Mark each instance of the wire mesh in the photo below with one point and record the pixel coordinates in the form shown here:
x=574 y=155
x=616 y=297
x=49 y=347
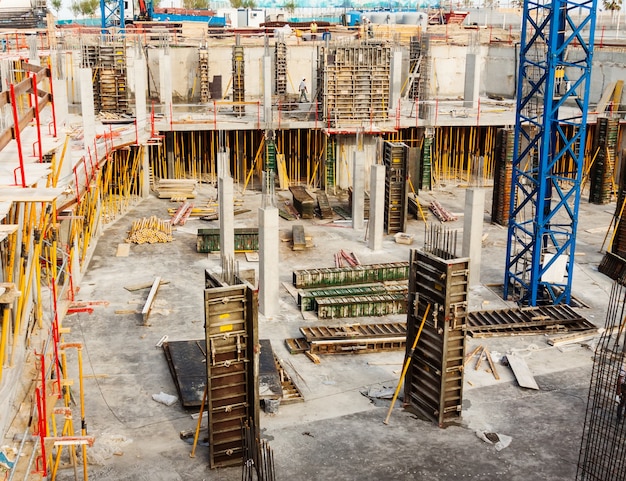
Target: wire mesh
x=603 y=447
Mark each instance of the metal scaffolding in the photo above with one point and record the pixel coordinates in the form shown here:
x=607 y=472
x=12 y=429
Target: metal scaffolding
x=548 y=157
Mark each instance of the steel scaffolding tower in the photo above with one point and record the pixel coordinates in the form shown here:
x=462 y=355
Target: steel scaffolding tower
x=553 y=91
x=112 y=14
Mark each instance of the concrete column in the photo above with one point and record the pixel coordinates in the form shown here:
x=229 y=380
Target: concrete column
x=472 y=80
x=396 y=78
x=145 y=172
x=33 y=55
x=268 y=261
x=169 y=151
x=227 y=217
x=377 y=207
x=473 y=231
x=87 y=108
x=358 y=191
x=141 y=112
x=61 y=109
x=165 y=77
x=223 y=164
x=267 y=91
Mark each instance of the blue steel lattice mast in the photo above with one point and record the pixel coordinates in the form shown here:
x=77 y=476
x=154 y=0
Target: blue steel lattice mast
x=552 y=98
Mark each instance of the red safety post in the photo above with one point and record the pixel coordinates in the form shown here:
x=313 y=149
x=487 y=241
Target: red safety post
x=33 y=80
x=16 y=132
x=41 y=466
x=478 y=114
x=56 y=337
x=398 y=116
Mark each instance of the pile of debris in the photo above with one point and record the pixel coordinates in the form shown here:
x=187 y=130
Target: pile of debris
x=150 y=230
x=440 y=212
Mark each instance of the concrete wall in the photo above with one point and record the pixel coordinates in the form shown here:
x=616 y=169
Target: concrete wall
x=498 y=69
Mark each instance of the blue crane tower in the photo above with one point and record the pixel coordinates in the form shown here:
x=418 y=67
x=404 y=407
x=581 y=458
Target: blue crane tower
x=552 y=98
x=118 y=13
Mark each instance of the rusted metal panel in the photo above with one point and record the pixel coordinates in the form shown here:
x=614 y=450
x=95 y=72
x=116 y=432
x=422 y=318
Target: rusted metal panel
x=362 y=274
x=434 y=381
x=232 y=369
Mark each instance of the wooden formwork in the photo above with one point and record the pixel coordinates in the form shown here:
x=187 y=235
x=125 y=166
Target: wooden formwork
x=232 y=369
x=433 y=386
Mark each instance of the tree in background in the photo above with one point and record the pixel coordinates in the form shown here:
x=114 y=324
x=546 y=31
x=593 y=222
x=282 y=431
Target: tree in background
x=75 y=8
x=196 y=4
x=89 y=7
x=56 y=6
x=243 y=3
x=612 y=6
x=290 y=6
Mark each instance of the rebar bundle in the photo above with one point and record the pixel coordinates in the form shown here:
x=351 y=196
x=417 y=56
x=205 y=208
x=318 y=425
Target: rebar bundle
x=440 y=241
x=603 y=448
x=258 y=457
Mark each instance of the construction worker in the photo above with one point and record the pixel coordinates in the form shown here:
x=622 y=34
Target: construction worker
x=621 y=394
x=303 y=91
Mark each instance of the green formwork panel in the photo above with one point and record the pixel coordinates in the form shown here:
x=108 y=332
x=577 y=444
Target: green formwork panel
x=246 y=240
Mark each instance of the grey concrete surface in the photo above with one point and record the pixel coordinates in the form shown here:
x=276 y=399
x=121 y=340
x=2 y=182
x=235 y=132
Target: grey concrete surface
x=338 y=432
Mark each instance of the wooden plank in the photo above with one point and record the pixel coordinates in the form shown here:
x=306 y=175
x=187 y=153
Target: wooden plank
x=606 y=96
x=142 y=285
x=572 y=338
x=145 y=312
x=522 y=373
x=123 y=250
x=312 y=357
x=19 y=194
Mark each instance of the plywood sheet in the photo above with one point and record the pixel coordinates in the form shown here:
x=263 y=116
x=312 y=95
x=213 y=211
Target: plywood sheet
x=522 y=373
x=123 y=250
x=19 y=194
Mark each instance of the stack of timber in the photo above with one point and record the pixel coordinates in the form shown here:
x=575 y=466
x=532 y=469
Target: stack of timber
x=298 y=239
x=326 y=212
x=362 y=274
x=342 y=258
x=303 y=202
x=440 y=212
x=178 y=188
x=350 y=339
x=182 y=213
x=526 y=321
x=150 y=230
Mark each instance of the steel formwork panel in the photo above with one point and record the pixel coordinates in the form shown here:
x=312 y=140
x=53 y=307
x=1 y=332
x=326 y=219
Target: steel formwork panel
x=232 y=369
x=434 y=381
x=549 y=149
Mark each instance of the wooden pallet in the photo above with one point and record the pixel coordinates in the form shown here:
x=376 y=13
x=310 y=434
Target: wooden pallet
x=291 y=392
x=297 y=345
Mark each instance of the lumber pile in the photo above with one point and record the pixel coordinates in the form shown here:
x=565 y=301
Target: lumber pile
x=302 y=201
x=182 y=214
x=440 y=212
x=177 y=188
x=150 y=230
x=343 y=259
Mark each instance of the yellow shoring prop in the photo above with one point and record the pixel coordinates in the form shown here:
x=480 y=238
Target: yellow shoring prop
x=406 y=364
x=256 y=157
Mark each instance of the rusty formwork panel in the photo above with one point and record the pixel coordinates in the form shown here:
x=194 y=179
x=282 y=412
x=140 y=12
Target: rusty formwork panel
x=232 y=369
x=355 y=80
x=361 y=274
x=503 y=173
x=433 y=386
